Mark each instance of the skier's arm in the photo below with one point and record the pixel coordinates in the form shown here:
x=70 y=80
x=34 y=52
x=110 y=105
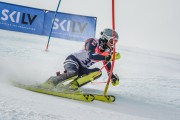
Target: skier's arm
x=108 y=66
x=95 y=56
x=90 y=47
x=114 y=77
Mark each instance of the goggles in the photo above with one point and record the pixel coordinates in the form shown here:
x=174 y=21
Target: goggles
x=110 y=39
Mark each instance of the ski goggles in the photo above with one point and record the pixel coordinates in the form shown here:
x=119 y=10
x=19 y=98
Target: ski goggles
x=111 y=41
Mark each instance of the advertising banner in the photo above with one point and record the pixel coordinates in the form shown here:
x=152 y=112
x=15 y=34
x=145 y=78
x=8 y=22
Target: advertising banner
x=37 y=21
x=20 y=18
x=69 y=26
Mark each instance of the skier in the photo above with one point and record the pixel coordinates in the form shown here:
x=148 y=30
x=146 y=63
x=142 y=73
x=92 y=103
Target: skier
x=77 y=64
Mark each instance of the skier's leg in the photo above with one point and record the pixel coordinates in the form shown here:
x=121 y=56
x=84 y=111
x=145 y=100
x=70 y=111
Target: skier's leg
x=72 y=68
x=86 y=77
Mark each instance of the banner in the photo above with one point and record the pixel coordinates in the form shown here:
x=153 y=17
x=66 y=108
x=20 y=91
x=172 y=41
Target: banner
x=69 y=26
x=37 y=21
x=22 y=19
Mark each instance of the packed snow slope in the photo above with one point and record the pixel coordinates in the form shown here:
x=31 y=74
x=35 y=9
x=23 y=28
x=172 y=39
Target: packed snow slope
x=149 y=82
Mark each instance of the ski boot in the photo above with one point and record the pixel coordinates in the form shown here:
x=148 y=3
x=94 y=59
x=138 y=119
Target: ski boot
x=54 y=80
x=50 y=83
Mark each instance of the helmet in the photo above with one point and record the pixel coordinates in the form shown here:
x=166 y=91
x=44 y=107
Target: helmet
x=107 y=35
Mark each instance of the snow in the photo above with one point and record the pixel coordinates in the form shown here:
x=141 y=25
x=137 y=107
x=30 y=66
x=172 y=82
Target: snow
x=149 y=82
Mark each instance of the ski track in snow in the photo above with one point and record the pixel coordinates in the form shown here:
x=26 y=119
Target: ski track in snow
x=149 y=83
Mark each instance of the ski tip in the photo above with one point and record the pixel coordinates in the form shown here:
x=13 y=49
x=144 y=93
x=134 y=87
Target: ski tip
x=110 y=98
x=113 y=98
x=105 y=98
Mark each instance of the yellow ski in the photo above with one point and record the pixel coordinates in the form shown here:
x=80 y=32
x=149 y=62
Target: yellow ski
x=105 y=98
x=75 y=96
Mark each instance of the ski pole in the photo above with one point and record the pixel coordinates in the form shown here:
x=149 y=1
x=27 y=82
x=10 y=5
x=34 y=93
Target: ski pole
x=52 y=25
x=98 y=82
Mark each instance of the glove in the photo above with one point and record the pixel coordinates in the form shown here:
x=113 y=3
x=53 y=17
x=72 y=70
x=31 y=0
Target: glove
x=114 y=80
x=109 y=57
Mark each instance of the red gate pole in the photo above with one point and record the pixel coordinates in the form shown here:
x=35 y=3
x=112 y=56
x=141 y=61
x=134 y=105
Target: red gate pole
x=114 y=49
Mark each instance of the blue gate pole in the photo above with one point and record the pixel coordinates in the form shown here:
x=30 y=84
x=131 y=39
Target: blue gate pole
x=52 y=25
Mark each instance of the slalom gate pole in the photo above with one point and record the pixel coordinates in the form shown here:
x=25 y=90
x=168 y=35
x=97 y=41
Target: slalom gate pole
x=52 y=25
x=114 y=49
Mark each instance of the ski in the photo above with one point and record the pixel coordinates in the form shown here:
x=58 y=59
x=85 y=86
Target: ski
x=71 y=95
x=75 y=95
x=104 y=98
x=99 y=96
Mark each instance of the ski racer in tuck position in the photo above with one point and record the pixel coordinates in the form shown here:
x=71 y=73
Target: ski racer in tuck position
x=77 y=64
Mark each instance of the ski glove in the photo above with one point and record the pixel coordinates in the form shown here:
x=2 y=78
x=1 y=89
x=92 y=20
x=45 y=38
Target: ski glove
x=109 y=57
x=114 y=80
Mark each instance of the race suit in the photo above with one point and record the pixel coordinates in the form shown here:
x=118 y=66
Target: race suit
x=80 y=61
